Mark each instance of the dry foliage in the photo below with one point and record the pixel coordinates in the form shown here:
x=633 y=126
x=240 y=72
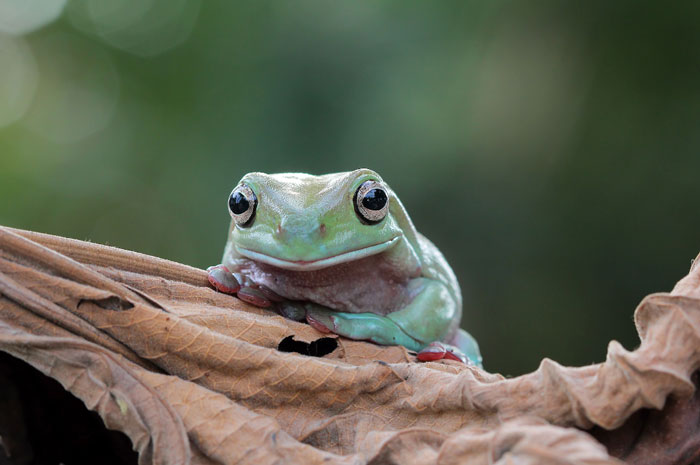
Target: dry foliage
x=193 y=376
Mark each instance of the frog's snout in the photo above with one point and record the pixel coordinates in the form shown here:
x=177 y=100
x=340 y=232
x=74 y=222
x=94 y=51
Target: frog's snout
x=303 y=229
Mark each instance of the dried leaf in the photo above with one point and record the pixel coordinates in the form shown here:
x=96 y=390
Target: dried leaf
x=191 y=375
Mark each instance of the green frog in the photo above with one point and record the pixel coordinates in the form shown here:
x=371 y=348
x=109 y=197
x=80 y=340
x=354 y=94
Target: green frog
x=340 y=252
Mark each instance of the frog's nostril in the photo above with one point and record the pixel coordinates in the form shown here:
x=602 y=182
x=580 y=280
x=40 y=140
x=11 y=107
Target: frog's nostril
x=280 y=231
x=322 y=229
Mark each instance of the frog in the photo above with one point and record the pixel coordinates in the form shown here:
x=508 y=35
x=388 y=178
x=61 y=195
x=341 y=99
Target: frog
x=340 y=252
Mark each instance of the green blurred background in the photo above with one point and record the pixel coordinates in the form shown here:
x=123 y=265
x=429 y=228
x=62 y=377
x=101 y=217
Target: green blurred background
x=549 y=149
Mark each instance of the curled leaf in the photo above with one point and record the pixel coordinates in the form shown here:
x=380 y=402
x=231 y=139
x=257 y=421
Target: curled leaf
x=194 y=376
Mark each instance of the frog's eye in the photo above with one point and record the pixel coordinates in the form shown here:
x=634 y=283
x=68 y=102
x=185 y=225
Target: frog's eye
x=371 y=202
x=242 y=204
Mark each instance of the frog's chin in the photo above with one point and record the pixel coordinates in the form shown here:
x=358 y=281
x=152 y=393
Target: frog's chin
x=310 y=265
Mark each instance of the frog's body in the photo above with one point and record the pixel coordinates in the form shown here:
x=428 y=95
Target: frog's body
x=341 y=251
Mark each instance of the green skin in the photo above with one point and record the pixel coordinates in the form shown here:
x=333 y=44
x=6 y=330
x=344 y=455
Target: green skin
x=307 y=245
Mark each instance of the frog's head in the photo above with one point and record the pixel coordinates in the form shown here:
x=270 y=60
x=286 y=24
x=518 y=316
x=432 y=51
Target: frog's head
x=302 y=222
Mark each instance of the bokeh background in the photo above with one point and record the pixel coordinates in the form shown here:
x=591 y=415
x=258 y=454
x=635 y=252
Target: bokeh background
x=549 y=149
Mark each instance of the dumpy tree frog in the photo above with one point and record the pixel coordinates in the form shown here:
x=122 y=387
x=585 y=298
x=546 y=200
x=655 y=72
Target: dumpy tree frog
x=340 y=252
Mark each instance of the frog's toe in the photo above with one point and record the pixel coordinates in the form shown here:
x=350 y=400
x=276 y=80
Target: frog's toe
x=439 y=351
x=269 y=294
x=291 y=310
x=253 y=297
x=319 y=322
x=434 y=351
x=223 y=281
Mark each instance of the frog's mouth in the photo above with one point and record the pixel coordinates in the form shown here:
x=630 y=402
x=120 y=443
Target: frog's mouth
x=310 y=265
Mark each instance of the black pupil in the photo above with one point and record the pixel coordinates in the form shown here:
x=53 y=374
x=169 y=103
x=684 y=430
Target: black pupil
x=238 y=203
x=374 y=199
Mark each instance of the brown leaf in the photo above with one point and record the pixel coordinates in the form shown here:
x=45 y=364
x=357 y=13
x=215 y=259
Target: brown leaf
x=191 y=375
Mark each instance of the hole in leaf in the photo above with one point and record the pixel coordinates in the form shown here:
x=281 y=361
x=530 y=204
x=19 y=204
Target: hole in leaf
x=109 y=303
x=317 y=348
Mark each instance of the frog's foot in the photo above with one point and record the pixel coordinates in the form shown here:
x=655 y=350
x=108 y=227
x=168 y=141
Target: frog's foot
x=467 y=345
x=222 y=279
x=317 y=324
x=439 y=350
x=253 y=296
x=462 y=347
x=292 y=310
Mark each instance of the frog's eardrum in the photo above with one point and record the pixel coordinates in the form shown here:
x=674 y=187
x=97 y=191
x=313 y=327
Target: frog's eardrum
x=193 y=376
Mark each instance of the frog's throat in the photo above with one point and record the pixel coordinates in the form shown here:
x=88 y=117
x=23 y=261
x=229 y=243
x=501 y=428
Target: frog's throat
x=310 y=265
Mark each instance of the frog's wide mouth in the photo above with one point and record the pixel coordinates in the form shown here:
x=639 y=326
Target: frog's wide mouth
x=310 y=265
